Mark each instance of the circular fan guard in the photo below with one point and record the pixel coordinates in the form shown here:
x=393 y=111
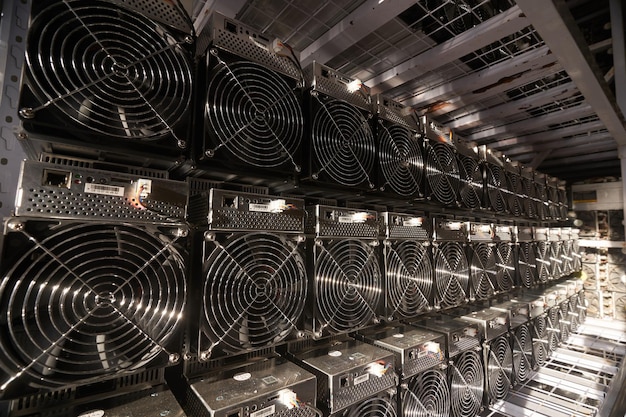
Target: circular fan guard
x=566 y=257
x=500 y=368
x=542 y=261
x=529 y=204
x=483 y=270
x=90 y=300
x=254 y=291
x=108 y=70
x=442 y=173
x=617 y=277
x=451 y=274
x=522 y=353
x=553 y=329
x=466 y=385
x=254 y=114
x=400 y=159
x=515 y=202
x=505 y=266
x=540 y=354
x=427 y=395
x=409 y=276
x=471 y=182
x=555 y=266
x=496 y=184
x=527 y=265
x=348 y=284
x=343 y=143
x=372 y=407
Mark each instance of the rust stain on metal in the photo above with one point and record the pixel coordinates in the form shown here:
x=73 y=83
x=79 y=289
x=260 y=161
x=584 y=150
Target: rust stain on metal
x=436 y=106
x=501 y=81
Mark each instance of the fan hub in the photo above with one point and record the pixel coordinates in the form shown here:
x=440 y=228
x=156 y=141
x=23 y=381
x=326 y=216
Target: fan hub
x=105 y=299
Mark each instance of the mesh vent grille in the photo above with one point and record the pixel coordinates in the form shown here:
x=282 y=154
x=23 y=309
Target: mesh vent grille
x=348 y=396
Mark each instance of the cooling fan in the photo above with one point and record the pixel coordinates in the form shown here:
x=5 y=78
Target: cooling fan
x=527 y=264
x=483 y=270
x=616 y=277
x=528 y=202
x=505 y=266
x=574 y=312
x=347 y=285
x=553 y=328
x=542 y=261
x=515 y=186
x=495 y=187
x=427 y=394
x=442 y=173
x=471 y=181
x=254 y=291
x=619 y=304
x=499 y=368
x=522 y=353
x=400 y=159
x=87 y=301
x=567 y=257
x=409 y=278
x=101 y=76
x=451 y=274
x=555 y=267
x=343 y=143
x=378 y=406
x=540 y=340
x=252 y=114
x=466 y=384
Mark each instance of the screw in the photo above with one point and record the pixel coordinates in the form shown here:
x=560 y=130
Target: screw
x=27 y=113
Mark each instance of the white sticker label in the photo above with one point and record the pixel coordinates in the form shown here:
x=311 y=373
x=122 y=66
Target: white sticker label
x=361 y=379
x=265 y=208
x=334 y=353
x=422 y=353
x=242 y=377
x=104 y=189
x=398 y=335
x=274 y=206
x=268 y=411
x=93 y=413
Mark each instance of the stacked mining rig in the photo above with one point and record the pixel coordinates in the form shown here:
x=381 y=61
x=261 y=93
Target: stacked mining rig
x=204 y=227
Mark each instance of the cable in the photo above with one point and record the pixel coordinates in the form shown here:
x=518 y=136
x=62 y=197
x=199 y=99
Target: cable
x=186 y=16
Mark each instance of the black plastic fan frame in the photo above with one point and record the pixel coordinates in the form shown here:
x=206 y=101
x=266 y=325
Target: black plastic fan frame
x=253 y=118
x=347 y=285
x=527 y=263
x=377 y=406
x=105 y=82
x=522 y=353
x=483 y=270
x=409 y=281
x=442 y=173
x=471 y=176
x=400 y=160
x=495 y=188
x=343 y=149
x=427 y=394
x=467 y=379
x=254 y=291
x=499 y=367
x=506 y=270
x=87 y=302
x=452 y=274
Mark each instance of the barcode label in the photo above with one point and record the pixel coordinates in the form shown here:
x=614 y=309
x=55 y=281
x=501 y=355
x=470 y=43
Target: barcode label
x=361 y=379
x=104 y=189
x=268 y=411
x=265 y=208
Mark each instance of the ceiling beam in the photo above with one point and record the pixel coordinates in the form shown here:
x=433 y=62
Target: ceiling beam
x=537 y=123
x=581 y=160
x=593 y=170
x=605 y=144
x=539 y=158
x=499 y=112
x=555 y=23
x=555 y=134
x=518 y=150
x=361 y=22
x=480 y=83
x=485 y=33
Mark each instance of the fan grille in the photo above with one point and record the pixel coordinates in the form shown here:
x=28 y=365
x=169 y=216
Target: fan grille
x=527 y=265
x=515 y=202
x=254 y=291
x=372 y=407
x=254 y=114
x=528 y=202
x=466 y=384
x=553 y=328
x=500 y=368
x=542 y=261
x=471 y=182
x=505 y=266
x=522 y=353
x=108 y=70
x=348 y=284
x=496 y=183
x=400 y=159
x=427 y=395
x=87 y=301
x=555 y=261
x=343 y=143
x=409 y=278
x=442 y=173
x=483 y=270
x=451 y=274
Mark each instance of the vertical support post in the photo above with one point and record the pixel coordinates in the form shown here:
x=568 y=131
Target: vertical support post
x=619 y=52
x=622 y=156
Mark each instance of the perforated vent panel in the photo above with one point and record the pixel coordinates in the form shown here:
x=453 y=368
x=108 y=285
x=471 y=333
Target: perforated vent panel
x=159 y=10
x=347 y=396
